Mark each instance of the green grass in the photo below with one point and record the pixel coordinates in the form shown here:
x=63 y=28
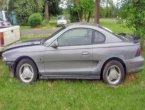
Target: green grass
x=50 y=24
x=115 y=27
x=32 y=36
x=71 y=94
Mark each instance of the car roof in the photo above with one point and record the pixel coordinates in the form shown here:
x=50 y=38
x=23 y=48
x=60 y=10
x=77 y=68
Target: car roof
x=110 y=36
x=86 y=25
x=82 y=24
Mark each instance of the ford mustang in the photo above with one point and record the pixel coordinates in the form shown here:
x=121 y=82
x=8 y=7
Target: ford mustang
x=76 y=51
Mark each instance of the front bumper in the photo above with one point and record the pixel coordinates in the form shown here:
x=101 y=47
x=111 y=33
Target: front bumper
x=11 y=68
x=135 y=65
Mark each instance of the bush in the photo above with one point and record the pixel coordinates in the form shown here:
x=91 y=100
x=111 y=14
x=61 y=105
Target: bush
x=24 y=8
x=45 y=22
x=35 y=19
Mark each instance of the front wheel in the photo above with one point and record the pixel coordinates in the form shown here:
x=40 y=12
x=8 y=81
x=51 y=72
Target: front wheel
x=26 y=71
x=113 y=73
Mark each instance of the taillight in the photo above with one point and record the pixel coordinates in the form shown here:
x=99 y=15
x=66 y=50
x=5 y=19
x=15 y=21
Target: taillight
x=138 y=53
x=1 y=39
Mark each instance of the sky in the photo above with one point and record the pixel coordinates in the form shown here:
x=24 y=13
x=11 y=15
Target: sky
x=63 y=5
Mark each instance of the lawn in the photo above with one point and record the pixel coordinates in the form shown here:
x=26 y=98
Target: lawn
x=72 y=94
x=113 y=25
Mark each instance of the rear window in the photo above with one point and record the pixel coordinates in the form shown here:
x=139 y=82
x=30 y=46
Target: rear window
x=98 y=38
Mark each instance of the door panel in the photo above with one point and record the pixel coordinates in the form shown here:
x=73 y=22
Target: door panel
x=73 y=53
x=69 y=59
x=99 y=52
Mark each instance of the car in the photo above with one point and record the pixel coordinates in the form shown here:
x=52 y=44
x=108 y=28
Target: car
x=8 y=36
x=61 y=20
x=75 y=51
x=4 y=24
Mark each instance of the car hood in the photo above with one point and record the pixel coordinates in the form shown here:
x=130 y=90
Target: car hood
x=21 y=44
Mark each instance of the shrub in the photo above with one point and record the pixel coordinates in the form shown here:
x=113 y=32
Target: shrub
x=24 y=8
x=35 y=19
x=45 y=22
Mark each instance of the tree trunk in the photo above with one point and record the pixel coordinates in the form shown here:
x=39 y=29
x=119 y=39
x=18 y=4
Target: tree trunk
x=97 y=5
x=46 y=13
x=89 y=16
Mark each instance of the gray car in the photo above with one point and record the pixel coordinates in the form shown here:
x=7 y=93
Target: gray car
x=76 y=51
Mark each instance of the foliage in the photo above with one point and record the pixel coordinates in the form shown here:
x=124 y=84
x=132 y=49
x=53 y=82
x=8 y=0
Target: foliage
x=108 y=9
x=54 y=8
x=81 y=10
x=24 y=8
x=108 y=12
x=4 y=4
x=134 y=13
x=35 y=19
x=45 y=22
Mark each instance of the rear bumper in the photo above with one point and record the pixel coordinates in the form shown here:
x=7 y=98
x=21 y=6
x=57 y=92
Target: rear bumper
x=61 y=23
x=135 y=65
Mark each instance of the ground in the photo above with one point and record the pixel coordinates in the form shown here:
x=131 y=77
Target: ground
x=72 y=94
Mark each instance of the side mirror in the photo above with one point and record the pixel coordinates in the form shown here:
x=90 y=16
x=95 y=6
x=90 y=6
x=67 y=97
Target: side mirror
x=54 y=45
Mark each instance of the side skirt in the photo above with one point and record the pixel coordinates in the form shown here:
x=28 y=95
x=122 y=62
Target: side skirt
x=69 y=76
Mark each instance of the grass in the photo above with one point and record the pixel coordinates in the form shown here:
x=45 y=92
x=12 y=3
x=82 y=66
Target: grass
x=72 y=94
x=31 y=36
x=48 y=25
x=113 y=25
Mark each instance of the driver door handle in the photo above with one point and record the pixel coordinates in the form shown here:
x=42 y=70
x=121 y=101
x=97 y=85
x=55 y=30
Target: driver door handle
x=85 y=53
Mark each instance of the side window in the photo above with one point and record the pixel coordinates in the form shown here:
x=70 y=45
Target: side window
x=73 y=37
x=98 y=38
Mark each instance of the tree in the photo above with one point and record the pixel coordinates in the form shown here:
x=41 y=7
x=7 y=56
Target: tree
x=54 y=8
x=46 y=12
x=97 y=7
x=25 y=8
x=134 y=13
x=81 y=10
x=4 y=4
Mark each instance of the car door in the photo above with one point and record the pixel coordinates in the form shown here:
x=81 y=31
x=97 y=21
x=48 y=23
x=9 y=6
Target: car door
x=99 y=52
x=73 y=54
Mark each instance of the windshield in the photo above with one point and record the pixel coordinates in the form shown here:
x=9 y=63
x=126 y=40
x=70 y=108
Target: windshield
x=45 y=40
x=61 y=18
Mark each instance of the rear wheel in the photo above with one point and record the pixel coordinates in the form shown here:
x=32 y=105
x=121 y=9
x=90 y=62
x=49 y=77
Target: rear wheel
x=113 y=73
x=26 y=71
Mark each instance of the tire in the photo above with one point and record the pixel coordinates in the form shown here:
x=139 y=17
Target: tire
x=113 y=73
x=26 y=71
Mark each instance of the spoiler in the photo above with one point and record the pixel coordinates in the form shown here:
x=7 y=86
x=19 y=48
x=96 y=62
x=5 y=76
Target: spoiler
x=129 y=37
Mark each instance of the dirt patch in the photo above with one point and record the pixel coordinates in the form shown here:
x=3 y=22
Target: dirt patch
x=131 y=77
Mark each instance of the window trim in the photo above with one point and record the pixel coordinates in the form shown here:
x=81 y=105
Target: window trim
x=76 y=45
x=93 y=37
